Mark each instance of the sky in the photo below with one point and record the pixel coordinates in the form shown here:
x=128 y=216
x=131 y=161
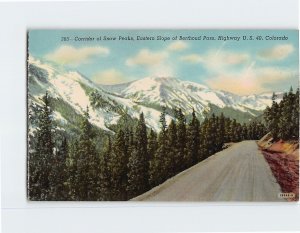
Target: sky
x=252 y=66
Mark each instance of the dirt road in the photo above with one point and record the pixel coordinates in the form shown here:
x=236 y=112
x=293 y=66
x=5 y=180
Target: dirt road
x=239 y=173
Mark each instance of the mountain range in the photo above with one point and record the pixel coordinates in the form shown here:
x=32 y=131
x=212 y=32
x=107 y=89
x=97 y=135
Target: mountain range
x=71 y=93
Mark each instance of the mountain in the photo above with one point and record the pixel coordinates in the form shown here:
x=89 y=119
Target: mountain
x=174 y=93
x=71 y=93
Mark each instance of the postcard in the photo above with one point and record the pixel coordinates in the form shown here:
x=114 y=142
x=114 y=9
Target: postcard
x=163 y=115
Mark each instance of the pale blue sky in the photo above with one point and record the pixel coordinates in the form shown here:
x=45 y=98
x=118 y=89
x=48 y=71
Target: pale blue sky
x=242 y=67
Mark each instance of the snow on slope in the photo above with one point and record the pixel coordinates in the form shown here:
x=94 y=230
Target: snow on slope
x=151 y=115
x=187 y=95
x=68 y=87
x=144 y=95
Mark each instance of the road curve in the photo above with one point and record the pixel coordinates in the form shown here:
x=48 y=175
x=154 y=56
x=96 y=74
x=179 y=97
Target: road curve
x=239 y=173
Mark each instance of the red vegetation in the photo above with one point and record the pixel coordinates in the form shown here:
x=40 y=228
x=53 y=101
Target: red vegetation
x=285 y=168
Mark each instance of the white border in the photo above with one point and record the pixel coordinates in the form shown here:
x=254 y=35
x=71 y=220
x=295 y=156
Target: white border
x=18 y=215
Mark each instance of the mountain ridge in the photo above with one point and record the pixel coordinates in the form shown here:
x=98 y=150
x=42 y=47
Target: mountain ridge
x=108 y=103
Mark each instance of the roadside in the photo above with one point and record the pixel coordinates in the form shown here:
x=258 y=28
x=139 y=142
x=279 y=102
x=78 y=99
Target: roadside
x=283 y=159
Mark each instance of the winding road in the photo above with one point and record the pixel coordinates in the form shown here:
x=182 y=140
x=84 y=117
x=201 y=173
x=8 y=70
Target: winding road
x=238 y=173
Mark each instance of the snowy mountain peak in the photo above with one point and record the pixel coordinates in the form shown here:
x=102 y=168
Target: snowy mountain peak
x=187 y=95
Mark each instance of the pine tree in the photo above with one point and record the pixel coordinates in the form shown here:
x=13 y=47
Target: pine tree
x=193 y=141
x=204 y=139
x=138 y=164
x=58 y=173
x=295 y=117
x=72 y=171
x=157 y=167
x=118 y=168
x=211 y=131
x=276 y=112
x=285 y=116
x=227 y=136
x=220 y=134
x=283 y=119
x=162 y=120
x=244 y=132
x=233 y=131
x=152 y=144
x=87 y=178
x=181 y=142
x=171 y=159
x=136 y=185
x=41 y=158
x=104 y=172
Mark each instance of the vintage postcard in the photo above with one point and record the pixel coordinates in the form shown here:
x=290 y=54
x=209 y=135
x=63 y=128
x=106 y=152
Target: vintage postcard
x=163 y=115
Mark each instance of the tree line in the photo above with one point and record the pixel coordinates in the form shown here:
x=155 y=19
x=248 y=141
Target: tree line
x=132 y=161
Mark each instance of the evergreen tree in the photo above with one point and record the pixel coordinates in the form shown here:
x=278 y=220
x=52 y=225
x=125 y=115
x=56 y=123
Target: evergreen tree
x=211 y=131
x=204 y=139
x=274 y=124
x=171 y=159
x=233 y=131
x=118 y=167
x=193 y=141
x=158 y=170
x=181 y=142
x=162 y=120
x=157 y=167
x=286 y=116
x=152 y=144
x=283 y=118
x=72 y=170
x=220 y=134
x=227 y=136
x=41 y=158
x=138 y=165
x=136 y=185
x=58 y=173
x=104 y=172
x=295 y=117
x=244 y=132
x=87 y=177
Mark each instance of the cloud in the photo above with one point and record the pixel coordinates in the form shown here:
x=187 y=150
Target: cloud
x=146 y=57
x=154 y=61
x=192 y=58
x=69 y=55
x=278 y=52
x=162 y=70
x=110 y=76
x=235 y=72
x=250 y=80
x=220 y=60
x=177 y=46
x=216 y=60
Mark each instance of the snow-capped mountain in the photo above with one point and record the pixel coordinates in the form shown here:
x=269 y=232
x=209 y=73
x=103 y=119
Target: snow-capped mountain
x=72 y=93
x=71 y=90
x=174 y=93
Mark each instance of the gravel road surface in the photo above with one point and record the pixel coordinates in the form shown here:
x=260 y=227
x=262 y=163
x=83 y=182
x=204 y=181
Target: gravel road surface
x=239 y=173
